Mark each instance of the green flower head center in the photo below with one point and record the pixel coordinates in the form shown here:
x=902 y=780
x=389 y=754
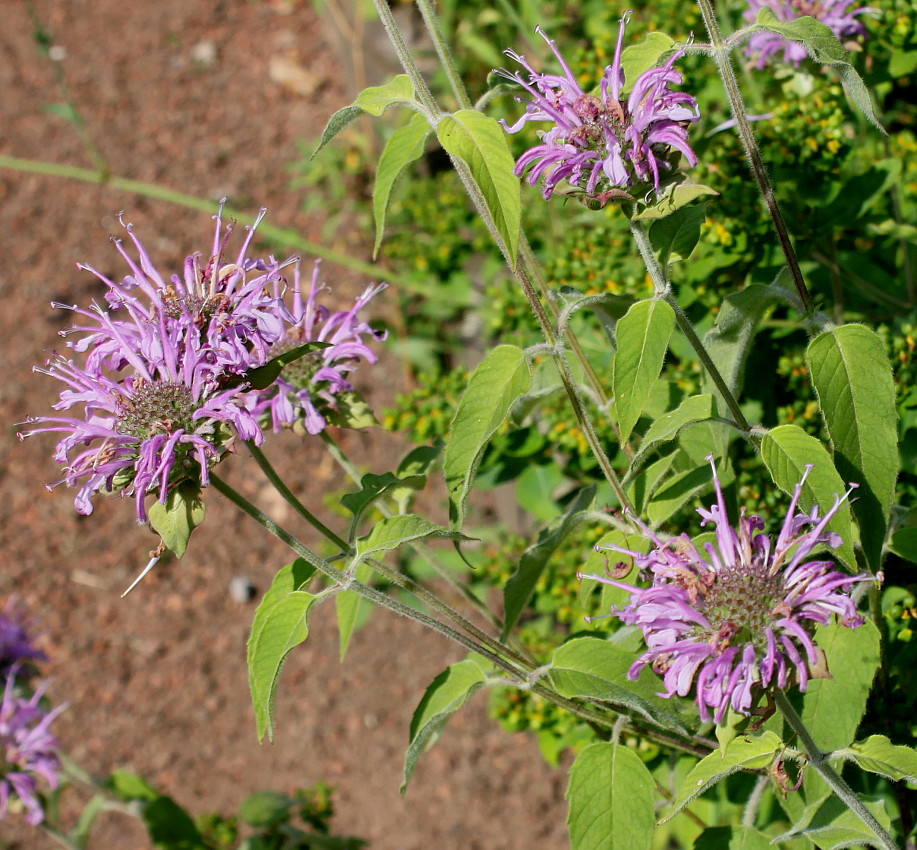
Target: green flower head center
x=740 y=604
x=155 y=407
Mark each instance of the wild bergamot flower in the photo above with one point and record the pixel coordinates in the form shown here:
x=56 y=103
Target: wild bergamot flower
x=307 y=389
x=16 y=649
x=159 y=395
x=27 y=750
x=736 y=619
x=839 y=15
x=603 y=143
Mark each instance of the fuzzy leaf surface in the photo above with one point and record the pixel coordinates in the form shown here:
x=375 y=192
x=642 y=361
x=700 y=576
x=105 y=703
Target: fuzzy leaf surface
x=500 y=379
x=445 y=695
x=280 y=624
x=404 y=146
x=394 y=531
x=178 y=517
x=878 y=754
x=610 y=796
x=786 y=451
x=643 y=339
x=853 y=379
x=481 y=144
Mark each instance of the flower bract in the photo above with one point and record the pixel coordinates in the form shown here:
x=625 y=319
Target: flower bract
x=309 y=387
x=609 y=141
x=735 y=616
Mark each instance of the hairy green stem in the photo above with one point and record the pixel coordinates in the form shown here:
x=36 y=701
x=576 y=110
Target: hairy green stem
x=721 y=55
x=750 y=812
x=822 y=766
x=444 y=52
x=286 y=237
x=663 y=291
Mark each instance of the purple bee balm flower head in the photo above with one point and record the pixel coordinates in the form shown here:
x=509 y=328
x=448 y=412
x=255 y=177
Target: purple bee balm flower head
x=159 y=393
x=27 y=750
x=736 y=618
x=839 y=15
x=16 y=648
x=605 y=143
x=307 y=388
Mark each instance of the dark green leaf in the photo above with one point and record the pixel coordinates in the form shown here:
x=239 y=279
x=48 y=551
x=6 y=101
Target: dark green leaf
x=732 y=838
x=611 y=796
x=375 y=486
x=675 y=236
x=266 y=808
x=170 y=826
x=501 y=378
x=853 y=379
x=522 y=583
x=262 y=377
x=178 y=517
x=834 y=826
x=481 y=144
x=447 y=693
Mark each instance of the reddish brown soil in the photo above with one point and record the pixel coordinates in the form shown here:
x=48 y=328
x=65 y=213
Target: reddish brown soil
x=157 y=682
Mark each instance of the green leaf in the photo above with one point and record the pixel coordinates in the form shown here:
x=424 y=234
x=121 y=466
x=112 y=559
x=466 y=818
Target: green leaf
x=351 y=410
x=786 y=451
x=128 y=786
x=178 y=517
x=878 y=754
x=853 y=379
x=374 y=486
x=643 y=338
x=404 y=147
x=79 y=835
x=732 y=838
x=835 y=826
x=266 y=808
x=501 y=378
x=170 y=826
x=414 y=468
x=675 y=236
x=536 y=489
x=824 y=47
x=611 y=796
x=594 y=668
x=481 y=144
x=522 y=583
x=904 y=544
x=373 y=101
x=262 y=377
x=677 y=196
x=446 y=694
x=641 y=57
x=749 y=752
x=391 y=532
x=832 y=708
x=730 y=340
x=681 y=487
x=281 y=623
x=692 y=410
x=349 y=607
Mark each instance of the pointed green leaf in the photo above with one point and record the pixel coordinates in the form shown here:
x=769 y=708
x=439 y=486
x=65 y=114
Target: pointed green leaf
x=481 y=144
x=786 y=451
x=730 y=340
x=824 y=47
x=178 y=517
x=643 y=339
x=675 y=236
x=853 y=379
x=835 y=826
x=878 y=754
x=594 y=668
x=732 y=838
x=351 y=410
x=404 y=147
x=446 y=694
x=832 y=708
x=170 y=827
x=692 y=410
x=683 y=486
x=373 y=101
x=349 y=607
x=373 y=486
x=611 y=795
x=266 y=808
x=748 y=752
x=501 y=378
x=262 y=377
x=522 y=583
x=677 y=196
x=641 y=57
x=391 y=532
x=280 y=624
